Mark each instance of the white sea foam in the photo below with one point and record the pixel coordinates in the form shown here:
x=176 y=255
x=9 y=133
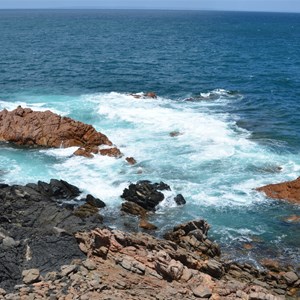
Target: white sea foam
x=34 y=106
x=211 y=162
x=141 y=127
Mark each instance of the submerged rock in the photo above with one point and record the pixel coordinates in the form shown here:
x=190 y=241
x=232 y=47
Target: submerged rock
x=289 y=190
x=292 y=219
x=174 y=133
x=24 y=126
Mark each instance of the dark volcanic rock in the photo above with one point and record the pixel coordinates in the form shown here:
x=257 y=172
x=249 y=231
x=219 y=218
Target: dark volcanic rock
x=24 y=126
x=145 y=194
x=179 y=199
x=94 y=201
x=35 y=232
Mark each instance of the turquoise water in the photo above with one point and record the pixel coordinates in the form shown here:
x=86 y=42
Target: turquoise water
x=241 y=131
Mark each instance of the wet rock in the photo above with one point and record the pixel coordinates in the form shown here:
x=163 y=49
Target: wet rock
x=131 y=160
x=83 y=152
x=248 y=246
x=23 y=126
x=144 y=95
x=292 y=219
x=289 y=190
x=151 y=95
x=146 y=225
x=94 y=201
x=133 y=209
x=86 y=210
x=271 y=264
x=146 y=194
x=174 y=133
x=179 y=199
x=113 y=152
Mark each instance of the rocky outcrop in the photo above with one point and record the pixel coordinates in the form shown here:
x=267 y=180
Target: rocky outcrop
x=36 y=232
x=143 y=197
x=289 y=190
x=148 y=195
x=148 y=95
x=121 y=265
x=23 y=126
x=48 y=251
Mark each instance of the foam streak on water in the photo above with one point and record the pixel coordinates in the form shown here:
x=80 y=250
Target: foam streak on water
x=211 y=161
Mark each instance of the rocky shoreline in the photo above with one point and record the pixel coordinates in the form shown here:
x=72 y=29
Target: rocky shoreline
x=53 y=245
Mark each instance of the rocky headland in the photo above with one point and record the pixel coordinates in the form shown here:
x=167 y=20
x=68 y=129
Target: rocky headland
x=23 y=126
x=53 y=245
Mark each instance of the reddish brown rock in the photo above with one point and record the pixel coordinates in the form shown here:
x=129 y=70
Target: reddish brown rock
x=289 y=190
x=292 y=219
x=23 y=126
x=144 y=95
x=131 y=160
x=175 y=133
x=151 y=95
x=113 y=152
x=146 y=225
x=248 y=246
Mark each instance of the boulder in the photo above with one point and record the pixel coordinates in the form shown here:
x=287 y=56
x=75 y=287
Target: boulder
x=24 y=126
x=131 y=160
x=289 y=190
x=179 y=199
x=133 y=209
x=31 y=276
x=146 y=225
x=146 y=194
x=94 y=201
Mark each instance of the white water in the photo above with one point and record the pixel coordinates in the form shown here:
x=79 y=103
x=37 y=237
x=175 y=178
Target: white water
x=212 y=162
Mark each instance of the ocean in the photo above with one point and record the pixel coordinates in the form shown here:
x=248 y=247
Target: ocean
x=228 y=82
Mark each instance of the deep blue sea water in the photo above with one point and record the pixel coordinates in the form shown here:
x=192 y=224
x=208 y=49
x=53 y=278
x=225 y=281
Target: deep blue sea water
x=242 y=71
